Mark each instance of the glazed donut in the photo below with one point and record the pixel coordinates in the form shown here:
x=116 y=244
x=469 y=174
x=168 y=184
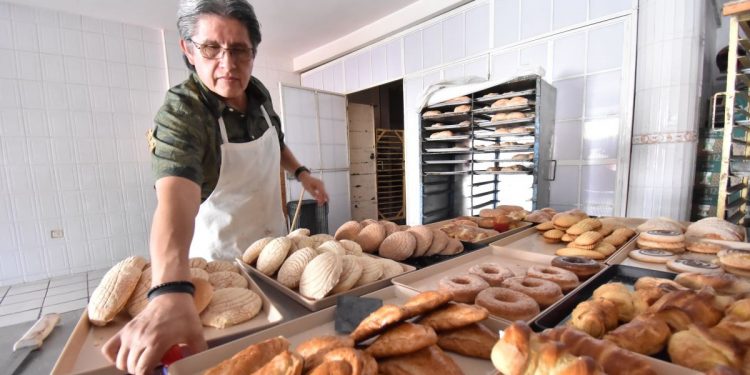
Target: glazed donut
x=507 y=303
x=565 y=279
x=582 y=267
x=544 y=292
x=492 y=273
x=464 y=288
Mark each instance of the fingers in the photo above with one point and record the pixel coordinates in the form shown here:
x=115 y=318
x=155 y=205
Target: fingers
x=196 y=344
x=148 y=360
x=122 y=358
x=133 y=357
x=111 y=347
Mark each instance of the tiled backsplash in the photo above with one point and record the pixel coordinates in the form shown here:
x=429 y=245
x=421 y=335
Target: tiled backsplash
x=78 y=95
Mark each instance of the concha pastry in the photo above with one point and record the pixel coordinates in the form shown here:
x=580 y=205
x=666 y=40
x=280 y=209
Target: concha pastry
x=291 y=270
x=348 y=230
x=301 y=242
x=273 y=255
x=423 y=235
x=253 y=251
x=390 y=227
x=138 y=300
x=391 y=268
x=231 y=306
x=439 y=242
x=370 y=237
x=197 y=273
x=114 y=291
x=221 y=265
x=226 y=279
x=320 y=275
x=367 y=222
x=351 y=247
x=351 y=271
x=299 y=232
x=320 y=238
x=198 y=263
x=331 y=247
x=372 y=270
x=398 y=246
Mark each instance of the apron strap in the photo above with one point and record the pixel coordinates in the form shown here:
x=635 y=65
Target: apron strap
x=223 y=130
x=265 y=114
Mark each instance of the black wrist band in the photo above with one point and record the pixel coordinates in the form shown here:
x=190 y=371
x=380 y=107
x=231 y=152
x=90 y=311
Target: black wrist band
x=299 y=171
x=171 y=287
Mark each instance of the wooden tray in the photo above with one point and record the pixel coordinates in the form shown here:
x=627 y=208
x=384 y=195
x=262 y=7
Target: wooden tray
x=516 y=261
x=82 y=353
x=316 y=324
x=315 y=305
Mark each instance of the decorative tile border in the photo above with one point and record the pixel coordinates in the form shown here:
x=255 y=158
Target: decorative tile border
x=677 y=137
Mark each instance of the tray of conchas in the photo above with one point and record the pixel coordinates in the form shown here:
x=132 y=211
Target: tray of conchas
x=391 y=331
x=315 y=269
x=511 y=285
x=572 y=233
x=695 y=320
x=230 y=303
x=710 y=245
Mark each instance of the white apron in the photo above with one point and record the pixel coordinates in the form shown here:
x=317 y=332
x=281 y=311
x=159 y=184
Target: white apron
x=246 y=203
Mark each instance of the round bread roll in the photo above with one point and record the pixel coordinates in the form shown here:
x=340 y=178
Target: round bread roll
x=226 y=279
x=441 y=134
x=332 y=247
x=398 y=246
x=253 y=251
x=367 y=222
x=454 y=247
x=221 y=265
x=372 y=270
x=231 y=306
x=204 y=291
x=299 y=232
x=423 y=235
x=320 y=275
x=370 y=237
x=351 y=247
x=198 y=263
x=320 y=238
x=439 y=242
x=198 y=273
x=351 y=271
x=390 y=227
x=462 y=108
x=300 y=242
x=348 y=230
x=291 y=270
x=273 y=255
x=391 y=268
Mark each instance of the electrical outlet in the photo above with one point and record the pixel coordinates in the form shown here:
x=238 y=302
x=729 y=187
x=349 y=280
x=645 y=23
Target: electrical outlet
x=57 y=233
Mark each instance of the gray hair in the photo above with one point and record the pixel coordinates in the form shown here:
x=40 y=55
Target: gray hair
x=190 y=11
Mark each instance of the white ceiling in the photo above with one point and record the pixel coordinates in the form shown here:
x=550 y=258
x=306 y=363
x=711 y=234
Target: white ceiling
x=290 y=27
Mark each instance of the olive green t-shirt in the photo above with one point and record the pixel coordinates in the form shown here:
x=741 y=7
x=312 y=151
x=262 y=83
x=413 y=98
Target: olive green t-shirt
x=186 y=139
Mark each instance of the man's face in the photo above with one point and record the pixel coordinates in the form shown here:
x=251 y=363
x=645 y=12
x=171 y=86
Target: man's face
x=228 y=73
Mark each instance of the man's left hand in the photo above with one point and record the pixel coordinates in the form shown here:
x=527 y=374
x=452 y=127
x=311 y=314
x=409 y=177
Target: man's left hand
x=314 y=186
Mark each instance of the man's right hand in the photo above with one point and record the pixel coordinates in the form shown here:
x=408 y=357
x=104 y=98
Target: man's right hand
x=168 y=320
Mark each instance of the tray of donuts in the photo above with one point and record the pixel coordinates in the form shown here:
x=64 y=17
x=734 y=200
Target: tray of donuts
x=697 y=321
x=395 y=330
x=314 y=270
x=573 y=233
x=230 y=303
x=510 y=285
x=709 y=245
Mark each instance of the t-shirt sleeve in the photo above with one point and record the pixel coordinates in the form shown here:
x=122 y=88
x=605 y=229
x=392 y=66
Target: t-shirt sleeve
x=178 y=143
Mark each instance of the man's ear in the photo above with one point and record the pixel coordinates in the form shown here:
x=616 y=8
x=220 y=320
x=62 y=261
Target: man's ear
x=187 y=50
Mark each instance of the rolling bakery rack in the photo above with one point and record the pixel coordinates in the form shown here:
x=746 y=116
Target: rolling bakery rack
x=485 y=161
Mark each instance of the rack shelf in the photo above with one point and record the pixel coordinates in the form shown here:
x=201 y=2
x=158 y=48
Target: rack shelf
x=390 y=173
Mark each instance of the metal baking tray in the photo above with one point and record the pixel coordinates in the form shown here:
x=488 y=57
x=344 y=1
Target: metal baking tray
x=505 y=95
x=330 y=300
x=462 y=137
x=502 y=135
x=501 y=172
x=449 y=103
x=447 y=115
x=447 y=127
x=505 y=149
x=446 y=173
x=472 y=245
x=512 y=108
x=82 y=353
x=487 y=124
x=442 y=162
x=448 y=150
x=319 y=324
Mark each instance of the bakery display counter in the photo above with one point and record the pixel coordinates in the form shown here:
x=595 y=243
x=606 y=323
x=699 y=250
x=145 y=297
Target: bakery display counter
x=322 y=325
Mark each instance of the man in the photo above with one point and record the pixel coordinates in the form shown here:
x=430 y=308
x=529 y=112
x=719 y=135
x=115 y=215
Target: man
x=216 y=141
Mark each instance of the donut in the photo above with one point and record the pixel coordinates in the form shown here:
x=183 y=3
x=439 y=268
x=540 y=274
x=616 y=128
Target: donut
x=565 y=279
x=508 y=304
x=544 y=292
x=492 y=273
x=464 y=288
x=582 y=267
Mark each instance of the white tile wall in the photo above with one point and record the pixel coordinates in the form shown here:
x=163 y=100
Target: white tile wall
x=67 y=82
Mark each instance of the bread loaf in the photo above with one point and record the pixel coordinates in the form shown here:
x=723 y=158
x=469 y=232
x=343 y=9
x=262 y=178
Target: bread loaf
x=251 y=358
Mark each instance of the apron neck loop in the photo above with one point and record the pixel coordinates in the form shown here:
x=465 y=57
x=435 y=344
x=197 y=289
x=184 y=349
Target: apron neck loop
x=223 y=130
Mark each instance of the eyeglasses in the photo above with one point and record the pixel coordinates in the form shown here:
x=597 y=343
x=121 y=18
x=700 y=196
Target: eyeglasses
x=212 y=51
